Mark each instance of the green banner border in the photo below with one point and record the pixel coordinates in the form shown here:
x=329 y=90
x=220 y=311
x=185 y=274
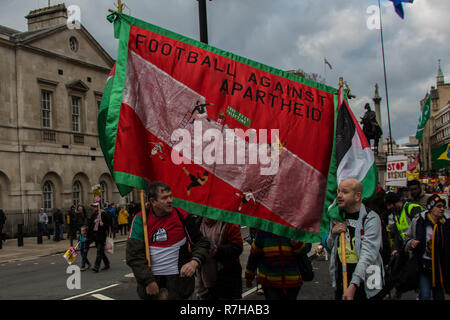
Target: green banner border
x=126 y=19
x=246 y=220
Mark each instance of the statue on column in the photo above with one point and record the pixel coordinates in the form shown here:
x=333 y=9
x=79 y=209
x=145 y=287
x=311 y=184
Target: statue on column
x=371 y=128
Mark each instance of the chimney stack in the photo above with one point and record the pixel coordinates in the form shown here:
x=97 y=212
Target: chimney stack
x=47 y=17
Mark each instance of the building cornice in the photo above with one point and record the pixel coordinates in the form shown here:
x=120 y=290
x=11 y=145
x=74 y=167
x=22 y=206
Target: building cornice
x=44 y=52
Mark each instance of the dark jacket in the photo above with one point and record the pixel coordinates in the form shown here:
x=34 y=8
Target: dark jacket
x=419 y=229
x=70 y=220
x=58 y=217
x=197 y=247
x=80 y=217
x=102 y=232
x=228 y=283
x=2 y=217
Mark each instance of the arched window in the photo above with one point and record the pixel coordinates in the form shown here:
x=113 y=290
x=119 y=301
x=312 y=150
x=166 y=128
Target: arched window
x=77 y=192
x=47 y=195
x=104 y=193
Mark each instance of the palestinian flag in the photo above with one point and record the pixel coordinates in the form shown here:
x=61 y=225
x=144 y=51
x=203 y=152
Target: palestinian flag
x=354 y=156
x=237 y=140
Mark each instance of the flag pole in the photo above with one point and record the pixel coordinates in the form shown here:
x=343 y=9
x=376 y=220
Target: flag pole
x=341 y=98
x=144 y=226
x=344 y=261
x=203 y=21
x=390 y=149
x=120 y=6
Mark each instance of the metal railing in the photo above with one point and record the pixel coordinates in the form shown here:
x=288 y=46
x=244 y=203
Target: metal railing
x=28 y=219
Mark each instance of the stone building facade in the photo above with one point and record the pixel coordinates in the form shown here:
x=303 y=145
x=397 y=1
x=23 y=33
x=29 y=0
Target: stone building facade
x=437 y=128
x=51 y=87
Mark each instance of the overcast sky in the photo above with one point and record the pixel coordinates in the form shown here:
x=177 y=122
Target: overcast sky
x=292 y=34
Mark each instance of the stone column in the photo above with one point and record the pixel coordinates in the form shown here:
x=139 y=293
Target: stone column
x=376 y=100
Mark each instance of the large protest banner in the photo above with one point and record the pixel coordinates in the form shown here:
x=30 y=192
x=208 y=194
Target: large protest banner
x=237 y=140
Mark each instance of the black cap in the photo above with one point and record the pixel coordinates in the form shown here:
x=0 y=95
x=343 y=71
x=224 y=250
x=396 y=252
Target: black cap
x=391 y=197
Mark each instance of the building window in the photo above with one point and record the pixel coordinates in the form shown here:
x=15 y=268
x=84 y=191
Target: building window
x=77 y=192
x=73 y=44
x=76 y=101
x=104 y=193
x=47 y=195
x=46 y=106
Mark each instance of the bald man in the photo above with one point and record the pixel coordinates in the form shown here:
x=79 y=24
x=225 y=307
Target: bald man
x=363 y=242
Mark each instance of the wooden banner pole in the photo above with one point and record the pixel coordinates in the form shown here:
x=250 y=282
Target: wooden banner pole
x=344 y=261
x=144 y=226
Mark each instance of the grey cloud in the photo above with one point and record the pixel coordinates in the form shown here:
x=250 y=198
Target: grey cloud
x=291 y=34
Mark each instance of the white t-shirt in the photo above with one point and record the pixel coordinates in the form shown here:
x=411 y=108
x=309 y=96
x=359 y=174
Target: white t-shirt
x=429 y=233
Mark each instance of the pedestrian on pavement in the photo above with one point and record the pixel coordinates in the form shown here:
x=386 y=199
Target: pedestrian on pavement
x=99 y=227
x=2 y=223
x=123 y=221
x=84 y=248
x=363 y=239
x=58 y=222
x=416 y=194
x=71 y=226
x=220 y=277
x=275 y=258
x=429 y=239
x=43 y=222
x=177 y=248
x=112 y=212
x=80 y=218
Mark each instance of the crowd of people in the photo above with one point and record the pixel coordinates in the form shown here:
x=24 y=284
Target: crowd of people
x=379 y=249
x=87 y=226
x=412 y=240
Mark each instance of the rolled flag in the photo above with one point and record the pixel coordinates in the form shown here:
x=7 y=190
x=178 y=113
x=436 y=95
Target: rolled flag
x=424 y=116
x=398 y=6
x=412 y=166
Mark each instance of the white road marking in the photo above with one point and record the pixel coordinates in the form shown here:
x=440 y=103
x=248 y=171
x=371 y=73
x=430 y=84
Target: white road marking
x=91 y=292
x=101 y=297
x=130 y=275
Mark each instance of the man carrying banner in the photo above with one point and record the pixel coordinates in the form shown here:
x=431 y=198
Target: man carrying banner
x=363 y=241
x=170 y=232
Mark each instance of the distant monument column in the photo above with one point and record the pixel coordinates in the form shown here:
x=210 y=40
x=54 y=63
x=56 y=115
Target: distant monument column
x=380 y=157
x=376 y=100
